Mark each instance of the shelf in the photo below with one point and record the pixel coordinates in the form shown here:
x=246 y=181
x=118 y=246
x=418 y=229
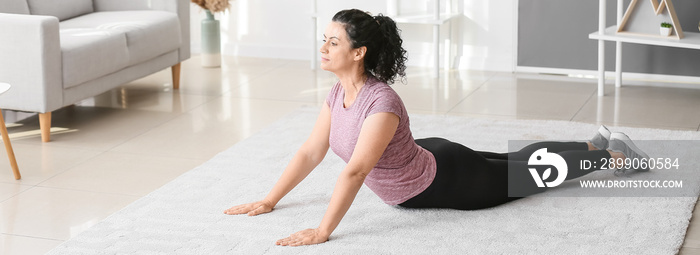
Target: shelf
x=690 y=40
x=426 y=19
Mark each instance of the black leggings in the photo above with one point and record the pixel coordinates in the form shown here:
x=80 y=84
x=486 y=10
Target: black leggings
x=470 y=180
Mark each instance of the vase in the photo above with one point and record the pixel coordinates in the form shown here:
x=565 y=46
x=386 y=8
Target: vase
x=211 y=41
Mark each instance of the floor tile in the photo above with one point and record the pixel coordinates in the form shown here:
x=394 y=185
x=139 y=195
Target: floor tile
x=434 y=95
x=669 y=109
x=517 y=102
x=138 y=98
x=39 y=162
x=8 y=190
x=22 y=245
x=688 y=251
x=294 y=81
x=495 y=116
x=692 y=238
x=122 y=173
x=637 y=125
x=653 y=92
x=197 y=80
x=57 y=213
x=210 y=128
x=464 y=79
x=91 y=127
x=541 y=83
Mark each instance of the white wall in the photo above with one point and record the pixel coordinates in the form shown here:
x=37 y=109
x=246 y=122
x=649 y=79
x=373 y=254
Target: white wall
x=483 y=38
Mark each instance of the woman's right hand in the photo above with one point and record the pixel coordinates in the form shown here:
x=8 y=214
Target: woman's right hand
x=251 y=209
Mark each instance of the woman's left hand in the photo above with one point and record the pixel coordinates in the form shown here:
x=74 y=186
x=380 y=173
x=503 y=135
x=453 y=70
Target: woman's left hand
x=304 y=237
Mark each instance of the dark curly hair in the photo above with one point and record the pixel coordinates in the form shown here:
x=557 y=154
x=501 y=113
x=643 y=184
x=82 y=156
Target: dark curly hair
x=385 y=58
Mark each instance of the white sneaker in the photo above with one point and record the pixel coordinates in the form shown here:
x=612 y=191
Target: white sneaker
x=619 y=142
x=602 y=138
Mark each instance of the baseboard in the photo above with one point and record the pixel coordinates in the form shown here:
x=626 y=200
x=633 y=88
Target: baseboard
x=635 y=79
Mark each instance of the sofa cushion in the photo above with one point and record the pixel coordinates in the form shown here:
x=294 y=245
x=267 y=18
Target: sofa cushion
x=63 y=9
x=89 y=53
x=14 y=6
x=148 y=33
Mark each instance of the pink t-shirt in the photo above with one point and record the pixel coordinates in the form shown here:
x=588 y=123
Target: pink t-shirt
x=405 y=169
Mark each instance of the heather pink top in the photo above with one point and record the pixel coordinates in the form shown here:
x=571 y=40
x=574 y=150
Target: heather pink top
x=405 y=169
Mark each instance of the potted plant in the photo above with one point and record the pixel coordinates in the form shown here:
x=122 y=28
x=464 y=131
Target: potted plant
x=666 y=29
x=211 y=39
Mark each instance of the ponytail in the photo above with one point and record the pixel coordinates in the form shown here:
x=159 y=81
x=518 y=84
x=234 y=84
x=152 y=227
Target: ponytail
x=385 y=58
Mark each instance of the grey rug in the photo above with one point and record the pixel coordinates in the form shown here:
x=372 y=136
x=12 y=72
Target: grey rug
x=185 y=216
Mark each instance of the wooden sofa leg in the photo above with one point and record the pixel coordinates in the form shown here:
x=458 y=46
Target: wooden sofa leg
x=8 y=148
x=45 y=125
x=176 y=76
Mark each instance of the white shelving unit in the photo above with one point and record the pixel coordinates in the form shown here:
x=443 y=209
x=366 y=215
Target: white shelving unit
x=436 y=19
x=690 y=41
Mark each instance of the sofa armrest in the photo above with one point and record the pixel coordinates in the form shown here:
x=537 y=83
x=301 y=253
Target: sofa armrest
x=180 y=7
x=30 y=61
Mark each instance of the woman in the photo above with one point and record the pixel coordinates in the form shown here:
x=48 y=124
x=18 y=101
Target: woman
x=365 y=123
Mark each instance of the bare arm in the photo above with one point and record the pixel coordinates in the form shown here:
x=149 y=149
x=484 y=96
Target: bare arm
x=377 y=131
x=304 y=161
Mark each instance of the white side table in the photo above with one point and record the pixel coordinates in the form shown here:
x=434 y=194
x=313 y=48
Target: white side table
x=6 y=138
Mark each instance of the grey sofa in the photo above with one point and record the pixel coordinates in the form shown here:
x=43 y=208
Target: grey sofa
x=55 y=53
